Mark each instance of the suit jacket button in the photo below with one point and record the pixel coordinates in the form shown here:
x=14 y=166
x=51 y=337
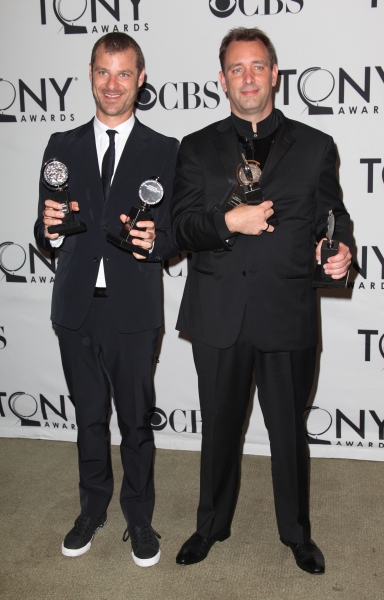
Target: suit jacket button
x=104 y=228
x=96 y=259
x=245 y=273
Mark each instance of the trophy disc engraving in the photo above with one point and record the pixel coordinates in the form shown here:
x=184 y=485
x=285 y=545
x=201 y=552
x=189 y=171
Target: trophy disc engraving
x=55 y=177
x=328 y=248
x=250 y=175
x=150 y=193
x=55 y=174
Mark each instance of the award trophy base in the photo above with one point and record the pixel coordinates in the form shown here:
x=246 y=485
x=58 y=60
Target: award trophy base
x=67 y=227
x=321 y=279
x=124 y=239
x=70 y=223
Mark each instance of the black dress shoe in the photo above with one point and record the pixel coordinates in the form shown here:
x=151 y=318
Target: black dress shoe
x=308 y=556
x=196 y=548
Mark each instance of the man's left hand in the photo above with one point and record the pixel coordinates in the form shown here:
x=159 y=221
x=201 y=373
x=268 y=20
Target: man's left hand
x=145 y=238
x=338 y=265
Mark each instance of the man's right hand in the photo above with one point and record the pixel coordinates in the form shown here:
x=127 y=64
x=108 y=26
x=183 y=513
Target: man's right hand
x=250 y=219
x=53 y=215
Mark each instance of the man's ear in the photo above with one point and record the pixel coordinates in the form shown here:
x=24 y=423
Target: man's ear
x=141 y=78
x=222 y=81
x=90 y=73
x=275 y=74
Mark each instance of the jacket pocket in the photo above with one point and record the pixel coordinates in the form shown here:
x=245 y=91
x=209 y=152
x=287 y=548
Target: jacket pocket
x=146 y=267
x=203 y=271
x=299 y=277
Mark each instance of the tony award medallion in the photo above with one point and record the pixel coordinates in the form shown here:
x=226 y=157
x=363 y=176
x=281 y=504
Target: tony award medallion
x=248 y=191
x=151 y=192
x=328 y=248
x=54 y=176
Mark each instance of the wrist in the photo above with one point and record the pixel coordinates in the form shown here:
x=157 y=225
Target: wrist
x=228 y=217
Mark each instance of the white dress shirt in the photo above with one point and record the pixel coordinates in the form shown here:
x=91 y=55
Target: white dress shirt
x=102 y=143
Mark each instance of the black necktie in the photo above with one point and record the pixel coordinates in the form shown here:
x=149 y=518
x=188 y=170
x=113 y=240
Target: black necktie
x=108 y=163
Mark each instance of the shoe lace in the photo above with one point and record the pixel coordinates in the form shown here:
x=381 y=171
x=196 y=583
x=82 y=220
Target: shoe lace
x=141 y=535
x=82 y=525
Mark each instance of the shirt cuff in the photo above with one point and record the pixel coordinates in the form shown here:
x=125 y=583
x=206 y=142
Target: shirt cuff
x=57 y=242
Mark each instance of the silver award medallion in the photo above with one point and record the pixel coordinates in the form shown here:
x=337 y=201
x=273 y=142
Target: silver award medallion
x=151 y=193
x=248 y=172
x=55 y=174
x=331 y=227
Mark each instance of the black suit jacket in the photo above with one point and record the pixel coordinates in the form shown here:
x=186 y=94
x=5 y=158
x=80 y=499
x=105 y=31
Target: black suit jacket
x=271 y=273
x=134 y=286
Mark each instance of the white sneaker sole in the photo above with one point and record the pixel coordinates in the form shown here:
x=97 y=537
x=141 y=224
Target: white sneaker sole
x=79 y=551
x=146 y=562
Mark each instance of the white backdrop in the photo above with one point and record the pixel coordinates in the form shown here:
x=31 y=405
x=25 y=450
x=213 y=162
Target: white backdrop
x=331 y=78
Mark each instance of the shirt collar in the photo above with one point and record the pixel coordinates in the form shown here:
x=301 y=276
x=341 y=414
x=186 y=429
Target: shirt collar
x=123 y=129
x=264 y=127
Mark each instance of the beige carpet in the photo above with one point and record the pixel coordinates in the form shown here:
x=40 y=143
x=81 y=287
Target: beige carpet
x=39 y=504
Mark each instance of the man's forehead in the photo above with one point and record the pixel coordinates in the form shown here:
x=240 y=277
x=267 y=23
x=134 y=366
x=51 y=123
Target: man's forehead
x=101 y=53
x=244 y=50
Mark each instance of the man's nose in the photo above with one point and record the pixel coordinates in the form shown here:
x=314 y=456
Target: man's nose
x=249 y=76
x=112 y=81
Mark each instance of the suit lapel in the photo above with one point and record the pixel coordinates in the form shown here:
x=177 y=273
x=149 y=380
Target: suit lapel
x=133 y=151
x=283 y=142
x=89 y=164
x=228 y=150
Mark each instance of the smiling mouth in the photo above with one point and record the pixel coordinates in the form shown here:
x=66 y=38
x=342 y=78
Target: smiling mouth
x=111 y=96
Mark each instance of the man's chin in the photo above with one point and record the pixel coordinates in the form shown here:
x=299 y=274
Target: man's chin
x=112 y=111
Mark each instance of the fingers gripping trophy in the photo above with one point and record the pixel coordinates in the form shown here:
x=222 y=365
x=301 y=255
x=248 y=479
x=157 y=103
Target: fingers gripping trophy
x=151 y=193
x=55 y=177
x=330 y=247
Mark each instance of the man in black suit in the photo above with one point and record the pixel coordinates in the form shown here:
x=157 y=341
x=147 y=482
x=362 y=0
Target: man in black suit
x=107 y=302
x=248 y=303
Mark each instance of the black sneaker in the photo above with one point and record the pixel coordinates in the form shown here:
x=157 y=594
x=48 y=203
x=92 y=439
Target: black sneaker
x=78 y=541
x=145 y=545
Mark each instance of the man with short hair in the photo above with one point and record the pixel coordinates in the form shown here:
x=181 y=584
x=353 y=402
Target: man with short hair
x=107 y=302
x=248 y=303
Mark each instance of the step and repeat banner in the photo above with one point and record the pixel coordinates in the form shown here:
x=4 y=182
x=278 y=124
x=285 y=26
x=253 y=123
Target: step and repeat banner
x=331 y=77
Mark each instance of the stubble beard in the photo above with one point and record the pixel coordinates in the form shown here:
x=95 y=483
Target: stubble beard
x=126 y=107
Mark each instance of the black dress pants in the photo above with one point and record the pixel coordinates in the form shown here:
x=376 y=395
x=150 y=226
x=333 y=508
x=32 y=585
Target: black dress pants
x=284 y=381
x=99 y=361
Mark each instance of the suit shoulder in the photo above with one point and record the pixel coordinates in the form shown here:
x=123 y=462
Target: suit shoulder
x=204 y=134
x=159 y=138
x=71 y=134
x=307 y=130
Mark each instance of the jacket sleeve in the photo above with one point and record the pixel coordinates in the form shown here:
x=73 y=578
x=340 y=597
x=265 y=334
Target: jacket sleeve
x=193 y=227
x=164 y=247
x=328 y=198
x=44 y=194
